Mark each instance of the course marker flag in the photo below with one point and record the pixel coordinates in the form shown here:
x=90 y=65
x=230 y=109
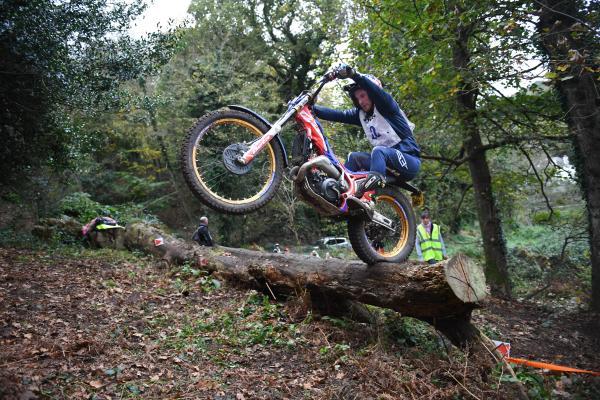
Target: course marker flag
x=502 y=347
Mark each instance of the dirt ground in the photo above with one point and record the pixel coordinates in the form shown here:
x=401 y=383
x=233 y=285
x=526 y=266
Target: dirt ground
x=109 y=325
x=542 y=333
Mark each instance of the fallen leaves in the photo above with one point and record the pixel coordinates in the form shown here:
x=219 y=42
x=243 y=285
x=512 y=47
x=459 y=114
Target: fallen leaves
x=95 y=384
x=138 y=336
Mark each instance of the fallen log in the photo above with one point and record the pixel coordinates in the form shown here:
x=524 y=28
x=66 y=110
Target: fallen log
x=443 y=294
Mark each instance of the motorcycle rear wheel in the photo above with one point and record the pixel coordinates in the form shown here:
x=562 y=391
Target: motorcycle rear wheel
x=209 y=168
x=373 y=243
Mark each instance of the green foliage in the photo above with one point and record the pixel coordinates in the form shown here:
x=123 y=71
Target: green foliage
x=190 y=278
x=79 y=205
x=334 y=353
x=59 y=59
x=10 y=237
x=467 y=241
x=556 y=250
x=409 y=332
x=539 y=387
x=340 y=323
x=257 y=322
x=542 y=217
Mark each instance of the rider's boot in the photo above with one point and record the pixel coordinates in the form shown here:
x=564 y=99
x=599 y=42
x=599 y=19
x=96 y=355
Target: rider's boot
x=373 y=180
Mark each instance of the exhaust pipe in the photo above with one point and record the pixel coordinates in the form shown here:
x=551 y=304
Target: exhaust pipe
x=321 y=162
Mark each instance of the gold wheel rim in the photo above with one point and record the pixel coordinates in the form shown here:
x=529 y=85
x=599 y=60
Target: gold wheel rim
x=267 y=148
x=403 y=239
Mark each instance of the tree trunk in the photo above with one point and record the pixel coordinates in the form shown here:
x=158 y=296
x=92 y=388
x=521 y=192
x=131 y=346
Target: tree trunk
x=573 y=46
x=488 y=214
x=443 y=294
x=494 y=245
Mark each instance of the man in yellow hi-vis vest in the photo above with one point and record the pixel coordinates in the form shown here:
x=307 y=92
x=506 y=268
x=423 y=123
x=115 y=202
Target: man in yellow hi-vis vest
x=429 y=242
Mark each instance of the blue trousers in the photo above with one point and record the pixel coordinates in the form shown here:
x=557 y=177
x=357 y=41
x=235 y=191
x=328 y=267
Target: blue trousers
x=381 y=157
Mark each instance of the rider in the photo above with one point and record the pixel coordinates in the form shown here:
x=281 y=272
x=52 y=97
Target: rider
x=385 y=125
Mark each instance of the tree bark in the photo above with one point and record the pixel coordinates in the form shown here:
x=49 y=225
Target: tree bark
x=494 y=245
x=572 y=48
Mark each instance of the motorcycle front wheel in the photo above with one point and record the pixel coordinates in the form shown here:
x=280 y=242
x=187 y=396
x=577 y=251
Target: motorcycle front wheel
x=210 y=168
x=374 y=243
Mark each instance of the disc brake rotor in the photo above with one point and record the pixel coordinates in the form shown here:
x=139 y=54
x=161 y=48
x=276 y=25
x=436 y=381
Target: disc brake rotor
x=231 y=155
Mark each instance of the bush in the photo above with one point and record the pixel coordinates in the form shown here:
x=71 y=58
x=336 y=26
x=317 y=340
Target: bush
x=410 y=332
x=544 y=217
x=11 y=238
x=80 y=206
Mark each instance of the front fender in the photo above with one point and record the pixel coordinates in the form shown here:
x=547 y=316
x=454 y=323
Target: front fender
x=264 y=120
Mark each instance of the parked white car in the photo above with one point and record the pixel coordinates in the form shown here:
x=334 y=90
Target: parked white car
x=333 y=242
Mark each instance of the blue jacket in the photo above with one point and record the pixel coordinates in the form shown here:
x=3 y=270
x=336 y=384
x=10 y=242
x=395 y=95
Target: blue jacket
x=386 y=105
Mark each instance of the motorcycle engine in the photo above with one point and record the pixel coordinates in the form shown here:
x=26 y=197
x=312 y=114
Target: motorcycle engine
x=326 y=187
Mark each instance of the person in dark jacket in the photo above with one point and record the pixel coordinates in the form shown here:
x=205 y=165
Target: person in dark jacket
x=385 y=125
x=202 y=235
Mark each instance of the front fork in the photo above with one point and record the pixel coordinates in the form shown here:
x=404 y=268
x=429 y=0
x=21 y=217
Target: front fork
x=260 y=144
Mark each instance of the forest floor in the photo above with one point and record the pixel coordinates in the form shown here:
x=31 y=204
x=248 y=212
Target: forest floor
x=82 y=324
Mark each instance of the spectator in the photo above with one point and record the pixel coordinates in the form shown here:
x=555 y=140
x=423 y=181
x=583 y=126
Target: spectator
x=429 y=242
x=202 y=235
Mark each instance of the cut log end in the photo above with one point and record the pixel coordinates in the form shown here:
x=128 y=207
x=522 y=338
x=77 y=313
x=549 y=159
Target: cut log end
x=466 y=279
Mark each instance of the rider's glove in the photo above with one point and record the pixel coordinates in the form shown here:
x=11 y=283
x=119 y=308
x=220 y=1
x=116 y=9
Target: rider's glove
x=331 y=76
x=344 y=71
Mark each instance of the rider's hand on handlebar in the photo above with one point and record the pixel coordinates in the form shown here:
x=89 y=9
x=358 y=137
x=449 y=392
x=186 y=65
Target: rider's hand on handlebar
x=344 y=71
x=330 y=76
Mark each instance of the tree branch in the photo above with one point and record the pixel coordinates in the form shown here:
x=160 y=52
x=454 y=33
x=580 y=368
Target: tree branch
x=539 y=180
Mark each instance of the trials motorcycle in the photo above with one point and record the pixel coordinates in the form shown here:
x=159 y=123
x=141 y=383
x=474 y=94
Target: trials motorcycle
x=233 y=160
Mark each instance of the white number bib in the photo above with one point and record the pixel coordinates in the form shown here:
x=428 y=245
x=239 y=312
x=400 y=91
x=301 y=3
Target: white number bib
x=377 y=129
